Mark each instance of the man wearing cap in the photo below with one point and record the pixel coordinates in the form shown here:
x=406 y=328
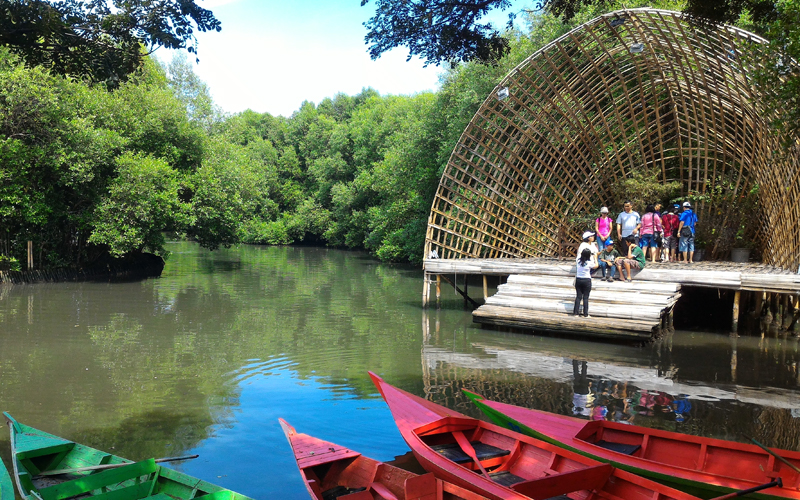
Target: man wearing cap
x=686 y=232
x=602 y=227
x=628 y=222
x=670 y=221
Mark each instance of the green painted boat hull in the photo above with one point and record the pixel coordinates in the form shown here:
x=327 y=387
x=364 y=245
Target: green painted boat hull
x=6 y=486
x=701 y=490
x=35 y=452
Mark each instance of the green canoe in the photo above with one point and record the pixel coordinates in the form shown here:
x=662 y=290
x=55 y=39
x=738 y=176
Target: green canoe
x=6 y=489
x=34 y=453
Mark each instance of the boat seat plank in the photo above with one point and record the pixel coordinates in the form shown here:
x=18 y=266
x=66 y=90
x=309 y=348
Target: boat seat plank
x=452 y=451
x=589 y=478
x=626 y=449
x=37 y=446
x=218 y=495
x=139 y=490
x=99 y=480
x=158 y=496
x=505 y=478
x=342 y=492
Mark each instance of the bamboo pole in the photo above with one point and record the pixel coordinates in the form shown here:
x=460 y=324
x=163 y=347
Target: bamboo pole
x=426 y=289
x=736 y=297
x=485 y=288
x=438 y=290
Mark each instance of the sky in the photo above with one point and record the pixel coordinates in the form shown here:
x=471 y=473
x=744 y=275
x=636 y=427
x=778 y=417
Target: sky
x=272 y=55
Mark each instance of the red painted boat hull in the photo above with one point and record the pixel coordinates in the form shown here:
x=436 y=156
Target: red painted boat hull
x=532 y=468
x=704 y=466
x=325 y=466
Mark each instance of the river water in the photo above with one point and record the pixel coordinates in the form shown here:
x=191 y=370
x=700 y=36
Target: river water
x=206 y=358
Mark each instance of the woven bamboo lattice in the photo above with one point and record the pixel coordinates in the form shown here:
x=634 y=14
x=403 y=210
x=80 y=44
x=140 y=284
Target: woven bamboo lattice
x=634 y=89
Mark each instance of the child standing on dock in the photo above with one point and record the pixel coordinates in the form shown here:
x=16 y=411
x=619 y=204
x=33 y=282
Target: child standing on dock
x=583 y=281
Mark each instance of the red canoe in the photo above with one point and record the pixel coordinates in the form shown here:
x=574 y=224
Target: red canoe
x=702 y=466
x=332 y=471
x=504 y=465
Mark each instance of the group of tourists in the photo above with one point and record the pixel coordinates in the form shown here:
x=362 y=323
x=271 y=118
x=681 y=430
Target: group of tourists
x=662 y=236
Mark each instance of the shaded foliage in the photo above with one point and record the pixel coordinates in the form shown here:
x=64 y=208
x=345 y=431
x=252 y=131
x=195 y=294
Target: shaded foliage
x=96 y=38
x=437 y=30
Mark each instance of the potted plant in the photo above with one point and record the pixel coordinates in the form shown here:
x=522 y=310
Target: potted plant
x=742 y=246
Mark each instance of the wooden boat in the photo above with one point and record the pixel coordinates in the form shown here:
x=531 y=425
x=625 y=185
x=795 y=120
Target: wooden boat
x=48 y=467
x=504 y=465
x=6 y=487
x=331 y=471
x=701 y=466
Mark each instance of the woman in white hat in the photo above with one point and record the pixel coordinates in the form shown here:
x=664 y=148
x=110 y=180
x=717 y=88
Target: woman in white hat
x=589 y=243
x=602 y=227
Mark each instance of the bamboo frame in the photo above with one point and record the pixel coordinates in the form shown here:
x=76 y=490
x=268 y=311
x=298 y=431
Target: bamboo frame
x=584 y=111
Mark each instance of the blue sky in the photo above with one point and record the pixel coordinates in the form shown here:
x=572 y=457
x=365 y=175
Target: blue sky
x=272 y=55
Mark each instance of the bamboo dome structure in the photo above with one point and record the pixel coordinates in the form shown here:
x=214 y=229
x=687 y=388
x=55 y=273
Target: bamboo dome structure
x=631 y=90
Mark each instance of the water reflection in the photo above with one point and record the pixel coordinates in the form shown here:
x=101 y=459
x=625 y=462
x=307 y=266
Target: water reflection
x=206 y=358
x=706 y=384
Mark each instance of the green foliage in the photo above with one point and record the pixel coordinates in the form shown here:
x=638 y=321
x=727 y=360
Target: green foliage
x=642 y=188
x=778 y=73
x=437 y=30
x=142 y=201
x=99 y=39
x=9 y=263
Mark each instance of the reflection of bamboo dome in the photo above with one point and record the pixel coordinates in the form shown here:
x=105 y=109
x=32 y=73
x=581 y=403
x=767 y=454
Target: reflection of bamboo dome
x=629 y=89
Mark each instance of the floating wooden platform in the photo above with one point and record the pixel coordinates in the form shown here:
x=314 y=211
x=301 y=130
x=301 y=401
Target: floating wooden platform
x=539 y=293
x=617 y=309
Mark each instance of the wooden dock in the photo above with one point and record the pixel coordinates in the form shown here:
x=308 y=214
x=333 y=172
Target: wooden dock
x=539 y=293
x=618 y=309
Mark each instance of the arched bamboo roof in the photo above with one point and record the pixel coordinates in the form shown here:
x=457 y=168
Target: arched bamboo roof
x=633 y=89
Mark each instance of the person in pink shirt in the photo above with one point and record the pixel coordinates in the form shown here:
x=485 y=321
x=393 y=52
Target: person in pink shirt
x=651 y=224
x=602 y=228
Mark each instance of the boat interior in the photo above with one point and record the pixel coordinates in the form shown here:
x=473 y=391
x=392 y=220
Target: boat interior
x=357 y=478
x=132 y=481
x=734 y=460
x=531 y=468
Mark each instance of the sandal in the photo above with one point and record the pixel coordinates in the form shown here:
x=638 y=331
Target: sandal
x=629 y=280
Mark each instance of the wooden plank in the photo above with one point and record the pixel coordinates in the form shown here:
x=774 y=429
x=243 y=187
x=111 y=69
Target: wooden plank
x=527 y=318
x=566 y=307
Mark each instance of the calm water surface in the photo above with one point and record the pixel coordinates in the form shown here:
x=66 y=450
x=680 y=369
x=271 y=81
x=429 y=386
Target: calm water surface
x=207 y=357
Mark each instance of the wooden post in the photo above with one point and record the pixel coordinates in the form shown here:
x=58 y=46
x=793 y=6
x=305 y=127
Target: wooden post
x=736 y=297
x=438 y=290
x=759 y=303
x=30 y=255
x=485 y=289
x=426 y=290
x=466 y=288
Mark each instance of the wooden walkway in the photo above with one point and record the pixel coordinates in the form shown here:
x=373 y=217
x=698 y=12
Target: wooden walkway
x=539 y=293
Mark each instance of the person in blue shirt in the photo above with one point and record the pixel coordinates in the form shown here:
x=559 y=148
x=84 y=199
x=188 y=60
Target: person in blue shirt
x=686 y=231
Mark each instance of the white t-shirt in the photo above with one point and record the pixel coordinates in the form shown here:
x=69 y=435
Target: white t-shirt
x=628 y=222
x=584 y=271
x=591 y=246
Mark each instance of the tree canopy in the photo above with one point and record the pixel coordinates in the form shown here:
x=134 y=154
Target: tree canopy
x=437 y=30
x=101 y=39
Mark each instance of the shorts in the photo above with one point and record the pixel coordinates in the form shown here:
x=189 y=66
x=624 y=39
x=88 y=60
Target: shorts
x=671 y=242
x=686 y=244
x=633 y=263
x=648 y=240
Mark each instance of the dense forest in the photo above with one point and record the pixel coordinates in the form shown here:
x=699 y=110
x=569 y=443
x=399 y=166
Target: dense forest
x=88 y=170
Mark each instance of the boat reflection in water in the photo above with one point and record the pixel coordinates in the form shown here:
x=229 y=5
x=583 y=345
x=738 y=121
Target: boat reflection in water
x=704 y=384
